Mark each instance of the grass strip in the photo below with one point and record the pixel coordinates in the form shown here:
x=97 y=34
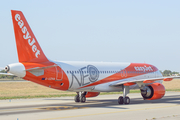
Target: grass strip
x=65 y=95
x=59 y=95
x=36 y=96
x=177 y=90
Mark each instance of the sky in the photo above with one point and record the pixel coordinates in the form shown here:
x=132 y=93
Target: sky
x=140 y=31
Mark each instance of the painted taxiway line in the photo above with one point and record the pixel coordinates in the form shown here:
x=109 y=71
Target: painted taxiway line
x=112 y=112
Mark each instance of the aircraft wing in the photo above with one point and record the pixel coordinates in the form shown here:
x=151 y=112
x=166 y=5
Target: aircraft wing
x=131 y=81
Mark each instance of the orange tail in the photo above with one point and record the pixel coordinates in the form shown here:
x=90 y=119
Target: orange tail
x=28 y=48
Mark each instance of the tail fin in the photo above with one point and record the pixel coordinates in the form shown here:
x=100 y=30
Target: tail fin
x=28 y=47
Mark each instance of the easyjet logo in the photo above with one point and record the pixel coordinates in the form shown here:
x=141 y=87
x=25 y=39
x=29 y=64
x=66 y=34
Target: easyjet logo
x=143 y=68
x=26 y=35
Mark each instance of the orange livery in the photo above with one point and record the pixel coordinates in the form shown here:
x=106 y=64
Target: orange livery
x=87 y=79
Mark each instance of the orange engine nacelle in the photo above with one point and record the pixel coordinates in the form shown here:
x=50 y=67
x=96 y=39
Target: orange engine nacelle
x=92 y=94
x=153 y=91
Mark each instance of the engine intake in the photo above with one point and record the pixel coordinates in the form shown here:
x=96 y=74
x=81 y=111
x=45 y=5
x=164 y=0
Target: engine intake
x=153 y=91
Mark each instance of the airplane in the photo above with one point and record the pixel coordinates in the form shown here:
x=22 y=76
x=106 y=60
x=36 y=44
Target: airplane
x=87 y=79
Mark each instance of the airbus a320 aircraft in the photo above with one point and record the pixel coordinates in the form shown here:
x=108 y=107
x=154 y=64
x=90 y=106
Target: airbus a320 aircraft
x=88 y=79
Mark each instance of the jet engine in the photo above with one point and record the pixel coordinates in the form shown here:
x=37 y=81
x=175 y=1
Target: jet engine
x=92 y=94
x=153 y=91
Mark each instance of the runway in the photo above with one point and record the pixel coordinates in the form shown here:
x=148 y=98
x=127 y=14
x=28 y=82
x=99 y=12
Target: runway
x=104 y=107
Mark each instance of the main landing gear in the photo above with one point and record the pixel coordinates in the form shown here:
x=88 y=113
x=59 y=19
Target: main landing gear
x=80 y=97
x=124 y=99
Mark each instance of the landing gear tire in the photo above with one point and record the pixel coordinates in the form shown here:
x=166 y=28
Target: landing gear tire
x=120 y=100
x=83 y=99
x=126 y=100
x=76 y=98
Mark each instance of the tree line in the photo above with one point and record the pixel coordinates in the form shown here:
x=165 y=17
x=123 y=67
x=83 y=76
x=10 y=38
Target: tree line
x=170 y=73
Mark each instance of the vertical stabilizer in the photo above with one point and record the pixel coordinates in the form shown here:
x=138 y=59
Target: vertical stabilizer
x=28 y=47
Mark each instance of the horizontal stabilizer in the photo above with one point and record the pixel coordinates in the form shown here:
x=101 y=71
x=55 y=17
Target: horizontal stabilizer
x=1 y=68
x=38 y=71
x=6 y=74
x=41 y=68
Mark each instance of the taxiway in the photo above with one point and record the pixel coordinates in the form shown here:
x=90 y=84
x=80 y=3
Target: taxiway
x=103 y=107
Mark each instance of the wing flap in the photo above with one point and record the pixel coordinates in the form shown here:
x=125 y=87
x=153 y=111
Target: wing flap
x=145 y=81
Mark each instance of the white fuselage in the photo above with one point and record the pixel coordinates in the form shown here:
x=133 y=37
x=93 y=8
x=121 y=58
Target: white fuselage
x=98 y=76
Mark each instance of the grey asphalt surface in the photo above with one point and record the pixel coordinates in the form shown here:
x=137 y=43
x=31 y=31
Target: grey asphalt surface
x=103 y=107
